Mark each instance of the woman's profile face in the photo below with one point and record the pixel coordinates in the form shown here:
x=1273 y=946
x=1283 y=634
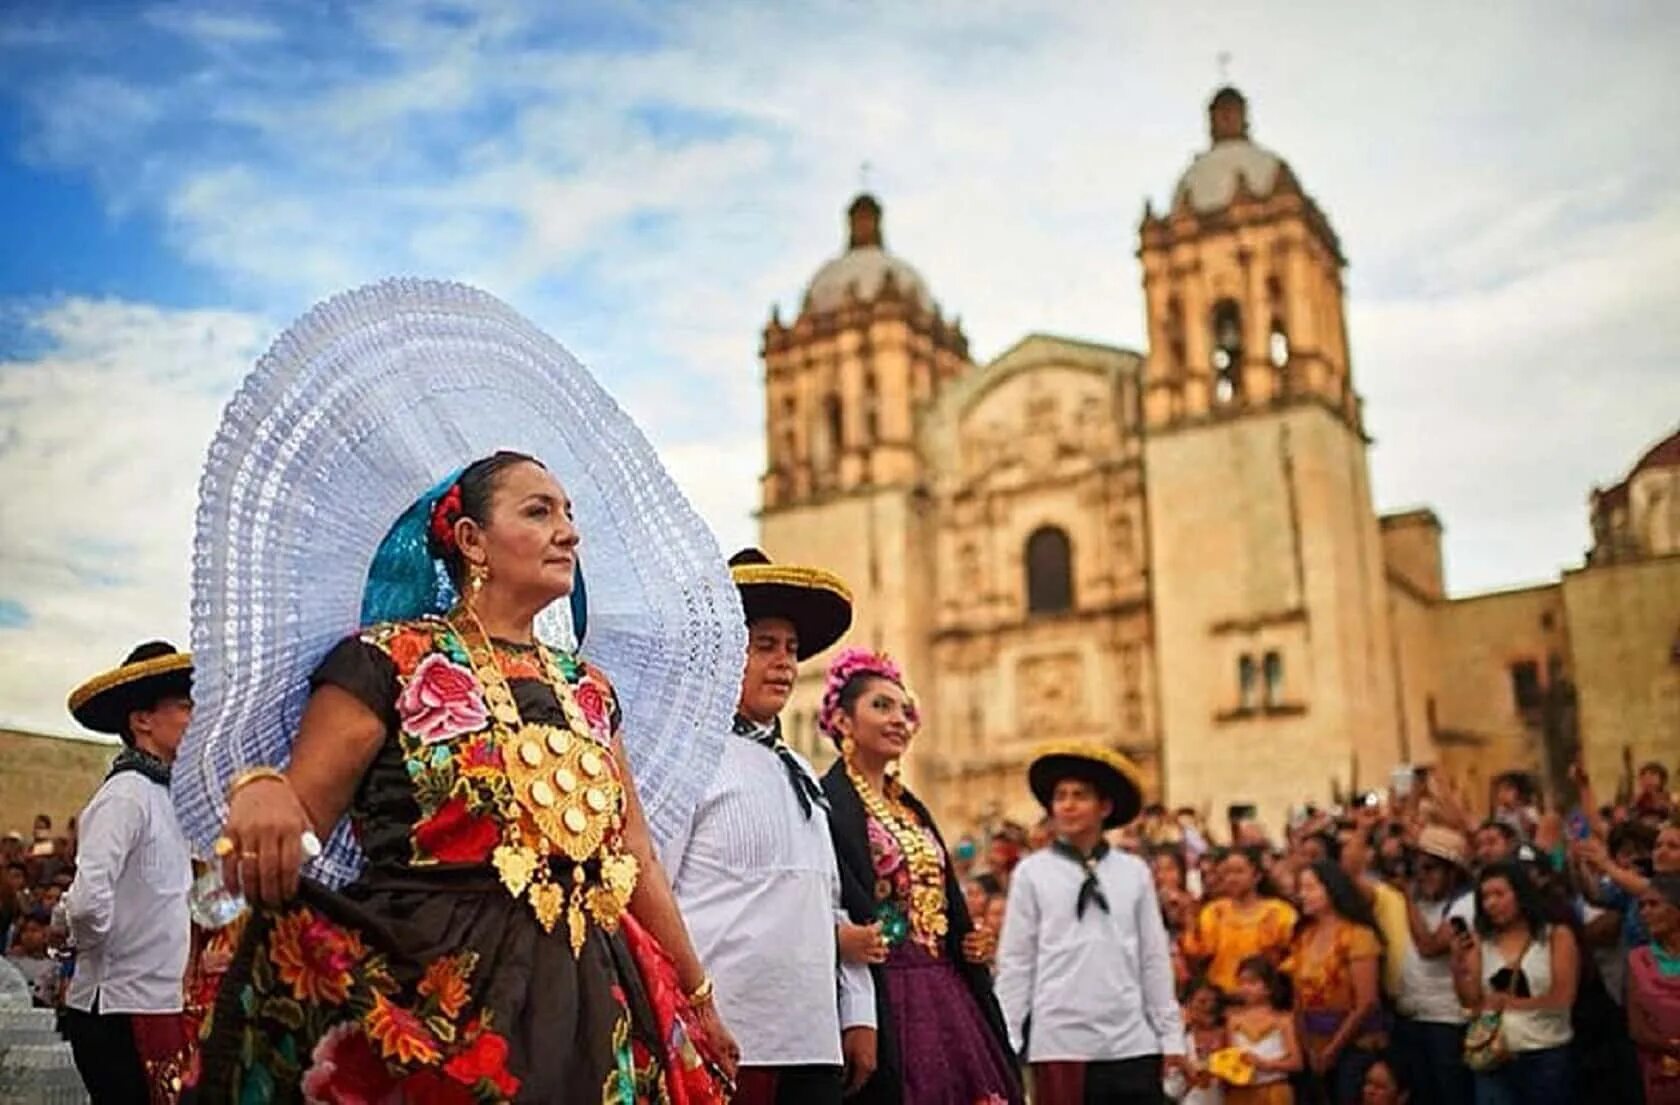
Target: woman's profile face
x=1499 y=902
x=882 y=720
x=529 y=543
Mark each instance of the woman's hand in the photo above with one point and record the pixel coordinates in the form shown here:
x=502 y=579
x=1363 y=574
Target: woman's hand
x=980 y=946
x=1323 y=1058
x=723 y=1048
x=861 y=943
x=264 y=841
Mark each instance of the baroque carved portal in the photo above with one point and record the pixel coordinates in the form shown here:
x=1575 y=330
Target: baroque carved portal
x=1049 y=691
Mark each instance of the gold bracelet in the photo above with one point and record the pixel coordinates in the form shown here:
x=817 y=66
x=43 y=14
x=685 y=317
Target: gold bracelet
x=254 y=775
x=701 y=994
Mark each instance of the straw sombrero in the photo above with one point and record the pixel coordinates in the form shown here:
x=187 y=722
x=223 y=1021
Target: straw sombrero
x=152 y=671
x=1111 y=773
x=818 y=603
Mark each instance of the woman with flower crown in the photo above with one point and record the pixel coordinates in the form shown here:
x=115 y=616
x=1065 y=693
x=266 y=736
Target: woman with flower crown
x=941 y=1038
x=505 y=933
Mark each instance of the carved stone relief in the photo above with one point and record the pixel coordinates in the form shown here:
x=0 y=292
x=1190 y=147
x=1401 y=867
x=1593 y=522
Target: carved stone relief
x=1049 y=692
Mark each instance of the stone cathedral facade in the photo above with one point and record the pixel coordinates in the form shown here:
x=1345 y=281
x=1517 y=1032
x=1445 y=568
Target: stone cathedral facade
x=1172 y=552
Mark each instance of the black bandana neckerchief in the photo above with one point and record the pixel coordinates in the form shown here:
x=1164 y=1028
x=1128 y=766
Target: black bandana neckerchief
x=132 y=759
x=805 y=788
x=1090 y=890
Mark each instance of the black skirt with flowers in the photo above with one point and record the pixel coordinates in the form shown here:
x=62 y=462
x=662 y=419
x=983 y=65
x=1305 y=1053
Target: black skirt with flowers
x=426 y=982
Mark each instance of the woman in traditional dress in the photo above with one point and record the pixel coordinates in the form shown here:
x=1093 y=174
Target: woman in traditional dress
x=1247 y=919
x=511 y=936
x=1335 y=964
x=941 y=1036
x=1653 y=992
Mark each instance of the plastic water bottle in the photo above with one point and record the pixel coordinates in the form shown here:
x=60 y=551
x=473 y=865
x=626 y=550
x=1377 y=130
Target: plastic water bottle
x=211 y=903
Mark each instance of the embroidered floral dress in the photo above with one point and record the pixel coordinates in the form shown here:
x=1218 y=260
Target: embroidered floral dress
x=431 y=978
x=950 y=1055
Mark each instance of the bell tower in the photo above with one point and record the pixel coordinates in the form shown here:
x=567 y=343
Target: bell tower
x=845 y=385
x=1267 y=573
x=1242 y=279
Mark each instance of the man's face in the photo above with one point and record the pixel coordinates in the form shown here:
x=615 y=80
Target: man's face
x=160 y=729
x=1650 y=782
x=772 y=666
x=16 y=878
x=1491 y=846
x=1078 y=808
x=1506 y=796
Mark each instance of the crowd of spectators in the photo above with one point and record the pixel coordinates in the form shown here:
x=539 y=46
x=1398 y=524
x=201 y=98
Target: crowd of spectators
x=34 y=875
x=1398 y=948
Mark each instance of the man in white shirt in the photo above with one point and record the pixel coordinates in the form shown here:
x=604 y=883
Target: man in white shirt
x=755 y=874
x=1085 y=970
x=1429 y=1033
x=127 y=907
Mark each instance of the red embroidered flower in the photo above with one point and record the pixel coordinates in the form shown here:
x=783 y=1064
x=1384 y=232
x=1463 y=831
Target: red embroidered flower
x=445 y=513
x=314 y=956
x=441 y=701
x=481 y=752
x=399 y=1033
x=453 y=835
x=485 y=1057
x=593 y=703
x=446 y=980
x=345 y=1070
x=429 y=1087
x=883 y=849
x=406 y=649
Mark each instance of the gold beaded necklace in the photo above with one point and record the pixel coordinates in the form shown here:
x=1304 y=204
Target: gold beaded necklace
x=567 y=799
x=928 y=919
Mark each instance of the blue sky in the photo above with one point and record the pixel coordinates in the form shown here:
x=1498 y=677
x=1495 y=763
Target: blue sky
x=645 y=180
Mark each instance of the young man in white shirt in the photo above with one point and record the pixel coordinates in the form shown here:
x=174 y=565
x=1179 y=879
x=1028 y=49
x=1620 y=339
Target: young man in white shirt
x=1085 y=969
x=127 y=907
x=755 y=875
x=1429 y=1033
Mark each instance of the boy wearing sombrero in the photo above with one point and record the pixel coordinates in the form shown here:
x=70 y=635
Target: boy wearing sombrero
x=1085 y=970
x=127 y=907
x=756 y=876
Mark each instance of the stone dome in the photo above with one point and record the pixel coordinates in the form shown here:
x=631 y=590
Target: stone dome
x=1211 y=180
x=865 y=266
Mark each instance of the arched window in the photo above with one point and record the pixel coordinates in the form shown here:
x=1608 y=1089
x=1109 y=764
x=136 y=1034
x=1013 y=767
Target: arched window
x=1227 y=350
x=1175 y=335
x=1049 y=572
x=1272 y=668
x=871 y=410
x=1278 y=344
x=834 y=430
x=1246 y=679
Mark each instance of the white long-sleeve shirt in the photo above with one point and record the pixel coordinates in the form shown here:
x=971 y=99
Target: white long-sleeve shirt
x=128 y=904
x=1098 y=987
x=759 y=889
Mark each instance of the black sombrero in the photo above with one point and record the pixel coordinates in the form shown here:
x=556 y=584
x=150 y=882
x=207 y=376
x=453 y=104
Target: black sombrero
x=153 y=671
x=1110 y=772
x=818 y=603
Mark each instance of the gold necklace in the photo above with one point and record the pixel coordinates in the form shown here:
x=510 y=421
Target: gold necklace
x=567 y=799
x=928 y=920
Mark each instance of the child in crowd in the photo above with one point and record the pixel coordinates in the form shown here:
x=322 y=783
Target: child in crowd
x=1204 y=1025
x=1262 y=1027
x=29 y=955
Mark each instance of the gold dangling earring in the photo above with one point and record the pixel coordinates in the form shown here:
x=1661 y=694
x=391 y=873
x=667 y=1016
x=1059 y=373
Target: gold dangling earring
x=476 y=575
x=847 y=748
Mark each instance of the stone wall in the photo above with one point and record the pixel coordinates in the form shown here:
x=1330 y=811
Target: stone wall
x=51 y=775
x=1624 y=630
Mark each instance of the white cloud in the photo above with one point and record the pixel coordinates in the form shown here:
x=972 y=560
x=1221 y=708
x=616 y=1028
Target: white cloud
x=103 y=437
x=1498 y=178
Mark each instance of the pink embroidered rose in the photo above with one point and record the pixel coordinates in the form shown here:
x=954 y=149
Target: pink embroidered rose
x=593 y=704
x=442 y=701
x=345 y=1070
x=883 y=849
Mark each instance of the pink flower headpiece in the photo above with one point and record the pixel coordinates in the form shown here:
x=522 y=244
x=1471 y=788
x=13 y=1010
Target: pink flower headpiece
x=850 y=664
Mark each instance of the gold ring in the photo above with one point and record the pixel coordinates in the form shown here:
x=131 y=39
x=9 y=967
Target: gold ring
x=247 y=855
x=222 y=846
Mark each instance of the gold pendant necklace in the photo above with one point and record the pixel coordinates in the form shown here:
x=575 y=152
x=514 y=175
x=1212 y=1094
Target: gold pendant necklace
x=568 y=799
x=928 y=920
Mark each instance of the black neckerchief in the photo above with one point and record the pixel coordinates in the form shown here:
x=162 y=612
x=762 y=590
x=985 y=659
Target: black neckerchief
x=1090 y=890
x=805 y=788
x=132 y=759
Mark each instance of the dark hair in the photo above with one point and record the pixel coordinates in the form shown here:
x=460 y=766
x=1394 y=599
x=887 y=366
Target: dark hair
x=1173 y=854
x=37 y=916
x=1196 y=985
x=1256 y=858
x=1520 y=781
x=1328 y=841
x=1504 y=829
x=478 y=487
x=1280 y=995
x=1345 y=899
x=1657 y=769
x=1396 y=1070
x=1637 y=833
x=1530 y=905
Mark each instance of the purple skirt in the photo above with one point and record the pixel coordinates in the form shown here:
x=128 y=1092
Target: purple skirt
x=948 y=1055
